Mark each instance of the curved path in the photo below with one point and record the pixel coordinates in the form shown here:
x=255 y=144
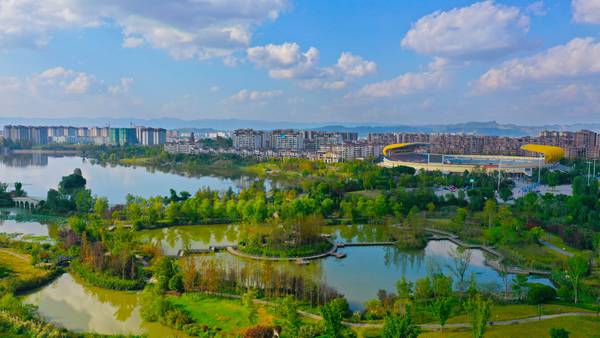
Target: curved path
x=497 y=323
x=238 y=253
x=555 y=248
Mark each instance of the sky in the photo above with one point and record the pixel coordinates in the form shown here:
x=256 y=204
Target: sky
x=318 y=61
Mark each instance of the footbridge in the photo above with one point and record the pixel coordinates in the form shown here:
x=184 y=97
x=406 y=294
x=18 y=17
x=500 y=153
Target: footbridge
x=27 y=202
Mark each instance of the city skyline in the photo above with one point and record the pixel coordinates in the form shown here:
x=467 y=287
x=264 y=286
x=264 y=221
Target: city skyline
x=277 y=60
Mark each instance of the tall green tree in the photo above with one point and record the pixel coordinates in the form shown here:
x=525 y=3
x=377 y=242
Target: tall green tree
x=576 y=268
x=480 y=311
x=398 y=325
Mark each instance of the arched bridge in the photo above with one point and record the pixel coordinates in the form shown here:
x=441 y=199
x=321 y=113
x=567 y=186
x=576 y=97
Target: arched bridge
x=27 y=202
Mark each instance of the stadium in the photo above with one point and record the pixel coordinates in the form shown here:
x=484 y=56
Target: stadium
x=417 y=156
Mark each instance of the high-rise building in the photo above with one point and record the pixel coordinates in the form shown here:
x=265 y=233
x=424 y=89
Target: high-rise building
x=122 y=136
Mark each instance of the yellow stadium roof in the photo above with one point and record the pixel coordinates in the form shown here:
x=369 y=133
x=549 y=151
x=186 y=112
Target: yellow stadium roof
x=551 y=153
x=389 y=147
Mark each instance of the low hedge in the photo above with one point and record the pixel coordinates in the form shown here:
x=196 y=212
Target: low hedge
x=104 y=280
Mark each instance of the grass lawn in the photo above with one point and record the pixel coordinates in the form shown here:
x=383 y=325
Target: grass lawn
x=508 y=312
x=366 y=193
x=20 y=264
x=136 y=161
x=579 y=327
x=533 y=255
x=228 y=314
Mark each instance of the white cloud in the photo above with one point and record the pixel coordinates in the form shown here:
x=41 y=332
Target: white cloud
x=484 y=29
x=404 y=84
x=215 y=89
x=132 y=42
x=184 y=28
x=355 y=66
x=287 y=61
x=579 y=57
x=586 y=11
x=70 y=81
x=537 y=8
x=245 y=95
x=123 y=86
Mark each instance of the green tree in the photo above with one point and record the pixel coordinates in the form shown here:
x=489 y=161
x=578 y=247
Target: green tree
x=100 y=206
x=288 y=311
x=576 y=268
x=480 y=310
x=397 y=325
x=441 y=308
x=248 y=302
x=332 y=317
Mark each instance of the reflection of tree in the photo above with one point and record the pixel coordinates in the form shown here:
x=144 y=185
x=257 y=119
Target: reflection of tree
x=403 y=259
x=231 y=233
x=123 y=302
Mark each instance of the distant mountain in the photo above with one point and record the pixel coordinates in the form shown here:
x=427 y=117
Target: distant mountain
x=481 y=128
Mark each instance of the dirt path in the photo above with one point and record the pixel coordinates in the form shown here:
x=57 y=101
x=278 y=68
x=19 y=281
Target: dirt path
x=22 y=257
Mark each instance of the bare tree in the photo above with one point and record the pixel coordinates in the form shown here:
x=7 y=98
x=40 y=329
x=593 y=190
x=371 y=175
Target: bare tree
x=461 y=259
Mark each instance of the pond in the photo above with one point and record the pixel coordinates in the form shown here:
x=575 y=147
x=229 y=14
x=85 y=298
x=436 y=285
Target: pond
x=359 y=276
x=69 y=303
x=39 y=173
x=25 y=229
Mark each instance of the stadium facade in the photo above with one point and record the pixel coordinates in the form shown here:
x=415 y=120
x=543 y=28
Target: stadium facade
x=417 y=155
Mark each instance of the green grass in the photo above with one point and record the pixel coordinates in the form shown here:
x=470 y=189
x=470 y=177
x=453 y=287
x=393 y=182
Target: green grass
x=228 y=314
x=19 y=264
x=508 y=312
x=579 y=327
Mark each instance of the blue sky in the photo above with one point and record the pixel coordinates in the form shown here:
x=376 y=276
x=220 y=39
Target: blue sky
x=343 y=61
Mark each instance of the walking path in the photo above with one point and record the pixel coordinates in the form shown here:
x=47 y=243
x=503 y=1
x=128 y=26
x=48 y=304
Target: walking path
x=22 y=257
x=555 y=248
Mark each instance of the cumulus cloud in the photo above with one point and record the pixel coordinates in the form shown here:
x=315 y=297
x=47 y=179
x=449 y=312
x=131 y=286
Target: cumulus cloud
x=184 y=28
x=287 y=61
x=245 y=95
x=482 y=30
x=579 y=57
x=70 y=81
x=586 y=11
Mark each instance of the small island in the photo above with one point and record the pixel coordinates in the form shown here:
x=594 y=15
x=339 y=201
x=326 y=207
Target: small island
x=293 y=239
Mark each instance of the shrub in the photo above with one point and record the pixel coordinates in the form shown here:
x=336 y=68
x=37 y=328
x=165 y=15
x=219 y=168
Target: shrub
x=539 y=293
x=176 y=283
x=559 y=333
x=259 y=331
x=104 y=280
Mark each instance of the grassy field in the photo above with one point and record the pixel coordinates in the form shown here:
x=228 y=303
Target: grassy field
x=20 y=264
x=224 y=313
x=579 y=327
x=508 y=312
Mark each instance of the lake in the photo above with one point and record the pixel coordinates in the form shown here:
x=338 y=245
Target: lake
x=38 y=173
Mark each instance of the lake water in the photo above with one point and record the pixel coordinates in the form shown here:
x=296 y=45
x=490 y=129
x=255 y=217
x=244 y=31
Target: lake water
x=359 y=276
x=78 y=307
x=38 y=173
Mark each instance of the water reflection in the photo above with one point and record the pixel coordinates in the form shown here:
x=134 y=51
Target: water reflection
x=359 y=276
x=40 y=172
x=69 y=303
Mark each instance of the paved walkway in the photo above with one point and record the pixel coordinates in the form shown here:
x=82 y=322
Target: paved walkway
x=555 y=248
